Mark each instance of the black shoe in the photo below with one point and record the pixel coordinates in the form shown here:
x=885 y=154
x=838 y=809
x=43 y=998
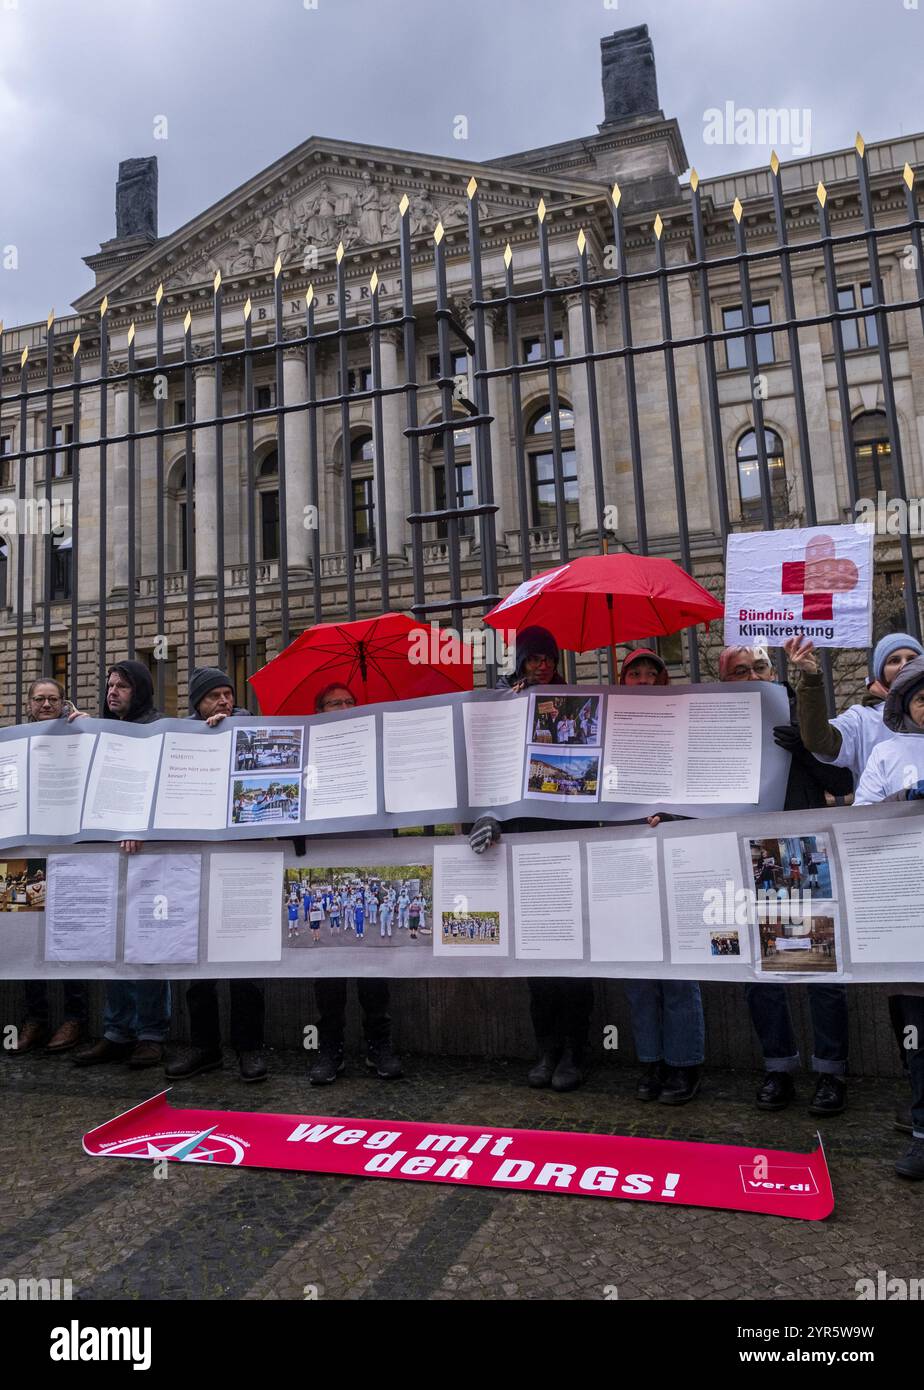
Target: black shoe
x=542 y=1072
x=911 y=1164
x=383 y=1060
x=903 y=1122
x=830 y=1096
x=327 y=1067
x=252 y=1065
x=193 y=1061
x=776 y=1091
x=569 y=1074
x=650 y=1081
x=680 y=1085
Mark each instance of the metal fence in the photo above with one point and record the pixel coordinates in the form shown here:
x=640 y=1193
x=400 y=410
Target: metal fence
x=450 y=599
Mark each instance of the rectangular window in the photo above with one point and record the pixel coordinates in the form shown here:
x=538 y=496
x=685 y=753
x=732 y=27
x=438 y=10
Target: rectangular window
x=542 y=487
x=179 y=412
x=534 y=347
x=465 y=497
x=59 y=671
x=458 y=365
x=61 y=571
x=6 y=467
x=265 y=397
x=870 y=326
x=850 y=328
x=363 y=514
x=358 y=379
x=238 y=659
x=269 y=525
x=62 y=460
x=735 y=348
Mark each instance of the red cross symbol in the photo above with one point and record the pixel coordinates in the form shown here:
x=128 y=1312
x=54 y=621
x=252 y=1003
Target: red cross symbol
x=818 y=578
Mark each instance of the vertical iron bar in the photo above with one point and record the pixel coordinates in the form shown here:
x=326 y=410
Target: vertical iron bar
x=131 y=492
x=911 y=203
x=635 y=443
x=75 y=522
x=281 y=457
x=552 y=368
x=592 y=405
x=840 y=368
x=191 y=489
x=378 y=450
x=674 y=423
x=413 y=418
x=21 y=530
x=487 y=528
x=912 y=612
x=712 y=380
x=516 y=402
x=313 y=497
x=346 y=450
x=219 y=479
x=450 y=488
x=160 y=380
x=103 y=503
x=251 y=503
x=750 y=352
x=49 y=491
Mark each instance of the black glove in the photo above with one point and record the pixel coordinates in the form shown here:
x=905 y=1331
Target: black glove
x=787 y=737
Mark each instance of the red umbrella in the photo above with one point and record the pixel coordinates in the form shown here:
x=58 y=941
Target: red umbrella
x=600 y=600
x=386 y=658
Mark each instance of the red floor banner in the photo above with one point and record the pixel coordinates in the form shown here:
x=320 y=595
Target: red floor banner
x=523 y=1160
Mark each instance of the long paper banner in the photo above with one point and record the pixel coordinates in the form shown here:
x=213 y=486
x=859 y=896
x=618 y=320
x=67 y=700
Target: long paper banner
x=567 y=753
x=727 y=1176
x=792 y=897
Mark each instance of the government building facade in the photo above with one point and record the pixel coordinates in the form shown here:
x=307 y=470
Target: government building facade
x=564 y=446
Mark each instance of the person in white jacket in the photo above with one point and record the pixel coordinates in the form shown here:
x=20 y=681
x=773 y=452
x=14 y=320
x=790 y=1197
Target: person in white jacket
x=895 y=772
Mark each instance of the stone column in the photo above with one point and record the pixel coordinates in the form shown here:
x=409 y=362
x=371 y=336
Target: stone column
x=391 y=451
x=587 y=502
x=206 y=518
x=295 y=433
x=118 y=489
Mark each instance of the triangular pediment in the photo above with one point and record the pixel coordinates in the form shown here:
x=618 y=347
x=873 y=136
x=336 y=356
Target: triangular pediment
x=323 y=193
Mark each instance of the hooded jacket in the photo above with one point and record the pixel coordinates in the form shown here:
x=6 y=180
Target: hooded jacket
x=643 y=653
x=141 y=710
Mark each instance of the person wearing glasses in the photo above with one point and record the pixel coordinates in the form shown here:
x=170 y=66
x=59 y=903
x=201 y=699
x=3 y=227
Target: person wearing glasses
x=46 y=699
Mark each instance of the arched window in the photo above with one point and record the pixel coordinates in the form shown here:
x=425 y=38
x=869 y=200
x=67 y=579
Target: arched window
x=541 y=461
x=465 y=485
x=749 y=476
x=363 y=483
x=268 y=497
x=872 y=453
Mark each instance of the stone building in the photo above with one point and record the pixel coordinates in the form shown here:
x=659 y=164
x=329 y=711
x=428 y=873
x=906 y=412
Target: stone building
x=328 y=193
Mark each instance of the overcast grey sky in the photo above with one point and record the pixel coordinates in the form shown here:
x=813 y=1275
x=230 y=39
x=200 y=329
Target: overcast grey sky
x=243 y=81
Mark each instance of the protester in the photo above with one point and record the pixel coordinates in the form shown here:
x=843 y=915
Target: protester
x=643 y=667
x=137 y=1012
x=331 y=992
x=46 y=699
x=896 y=773
x=809 y=780
x=668 y=1026
x=560 y=1008
x=849 y=738
x=212 y=699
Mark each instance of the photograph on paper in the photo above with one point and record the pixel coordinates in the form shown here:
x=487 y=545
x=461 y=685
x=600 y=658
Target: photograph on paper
x=791 y=946
x=724 y=943
x=22 y=885
x=258 y=799
x=477 y=927
x=382 y=905
x=263 y=747
x=792 y=865
x=565 y=719
x=563 y=776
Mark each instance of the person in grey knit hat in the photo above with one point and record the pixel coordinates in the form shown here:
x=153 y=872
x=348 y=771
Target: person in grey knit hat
x=212 y=699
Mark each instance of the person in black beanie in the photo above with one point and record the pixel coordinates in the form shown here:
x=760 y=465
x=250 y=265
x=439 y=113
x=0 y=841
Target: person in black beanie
x=211 y=699
x=559 y=1008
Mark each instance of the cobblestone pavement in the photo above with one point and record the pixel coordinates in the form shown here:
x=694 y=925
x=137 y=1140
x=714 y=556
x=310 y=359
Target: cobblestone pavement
x=213 y=1233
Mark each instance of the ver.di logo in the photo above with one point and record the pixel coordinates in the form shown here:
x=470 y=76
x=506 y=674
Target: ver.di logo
x=182 y=1145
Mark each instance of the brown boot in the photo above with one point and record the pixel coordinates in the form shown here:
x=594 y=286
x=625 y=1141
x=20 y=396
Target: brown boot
x=67 y=1036
x=102 y=1051
x=146 y=1054
x=30 y=1036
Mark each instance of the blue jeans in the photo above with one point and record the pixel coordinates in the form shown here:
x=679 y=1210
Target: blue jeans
x=137 y=1010
x=773 y=1025
x=667 y=1021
